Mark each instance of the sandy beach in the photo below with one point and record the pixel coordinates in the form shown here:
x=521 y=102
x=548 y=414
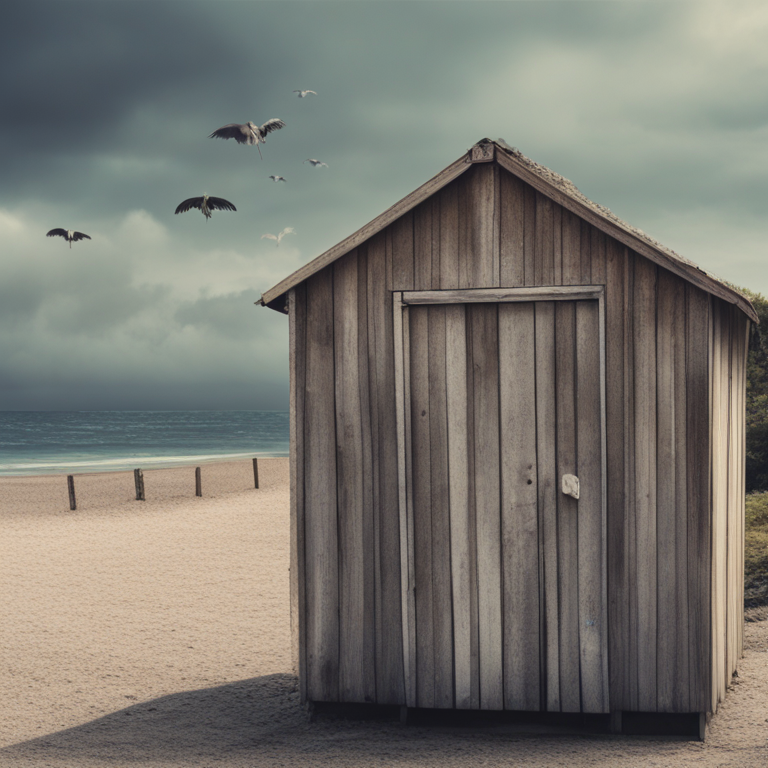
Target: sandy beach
x=156 y=634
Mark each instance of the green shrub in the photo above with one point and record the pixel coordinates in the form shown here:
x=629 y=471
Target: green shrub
x=756 y=550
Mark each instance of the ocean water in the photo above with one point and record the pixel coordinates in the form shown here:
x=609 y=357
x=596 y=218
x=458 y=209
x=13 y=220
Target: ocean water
x=53 y=442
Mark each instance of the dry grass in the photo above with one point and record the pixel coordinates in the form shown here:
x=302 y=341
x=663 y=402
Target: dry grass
x=756 y=554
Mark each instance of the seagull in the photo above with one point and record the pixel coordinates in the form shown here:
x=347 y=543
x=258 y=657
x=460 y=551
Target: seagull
x=69 y=235
x=278 y=178
x=248 y=133
x=206 y=204
x=302 y=94
x=286 y=231
x=315 y=163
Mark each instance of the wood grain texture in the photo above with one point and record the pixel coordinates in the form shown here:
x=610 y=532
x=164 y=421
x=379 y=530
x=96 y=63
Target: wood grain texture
x=495 y=295
x=419 y=343
x=618 y=612
x=547 y=500
x=442 y=606
x=571 y=233
x=512 y=225
x=645 y=480
x=591 y=598
x=519 y=507
x=461 y=581
x=482 y=216
x=529 y=235
x=389 y=649
x=698 y=469
x=321 y=533
x=544 y=247
x=402 y=235
x=448 y=200
x=424 y=246
x=487 y=499
x=297 y=356
x=568 y=509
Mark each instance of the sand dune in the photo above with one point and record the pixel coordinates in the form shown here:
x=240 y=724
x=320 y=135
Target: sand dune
x=156 y=634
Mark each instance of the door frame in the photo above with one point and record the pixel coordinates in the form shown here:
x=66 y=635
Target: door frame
x=402 y=300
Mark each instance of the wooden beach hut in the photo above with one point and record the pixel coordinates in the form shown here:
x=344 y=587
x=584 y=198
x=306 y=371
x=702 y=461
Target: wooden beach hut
x=517 y=456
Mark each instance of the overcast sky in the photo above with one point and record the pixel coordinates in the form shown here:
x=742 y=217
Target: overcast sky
x=658 y=110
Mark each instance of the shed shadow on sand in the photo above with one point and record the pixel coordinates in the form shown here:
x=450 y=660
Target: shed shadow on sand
x=260 y=721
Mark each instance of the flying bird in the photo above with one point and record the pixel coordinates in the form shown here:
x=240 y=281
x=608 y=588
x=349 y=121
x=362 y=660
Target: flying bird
x=286 y=231
x=248 y=133
x=69 y=235
x=205 y=205
x=315 y=163
x=278 y=178
x=302 y=94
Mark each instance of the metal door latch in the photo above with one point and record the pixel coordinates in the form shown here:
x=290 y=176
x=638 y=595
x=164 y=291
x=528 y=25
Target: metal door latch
x=571 y=486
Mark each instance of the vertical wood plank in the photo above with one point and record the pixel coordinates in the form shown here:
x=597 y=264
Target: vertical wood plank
x=590 y=508
x=544 y=265
x=618 y=616
x=568 y=509
x=557 y=239
x=512 y=224
x=402 y=252
x=449 y=236
x=586 y=252
x=487 y=499
x=598 y=250
x=353 y=624
x=366 y=439
x=645 y=479
x=297 y=318
x=456 y=406
x=681 y=699
x=422 y=509
x=481 y=218
x=546 y=442
x=698 y=468
x=519 y=507
x=529 y=235
x=423 y=243
x=389 y=648
x=571 y=226
x=440 y=502
x=320 y=489
x=666 y=496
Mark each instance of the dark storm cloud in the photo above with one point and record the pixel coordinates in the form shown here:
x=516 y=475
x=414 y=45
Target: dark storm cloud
x=230 y=315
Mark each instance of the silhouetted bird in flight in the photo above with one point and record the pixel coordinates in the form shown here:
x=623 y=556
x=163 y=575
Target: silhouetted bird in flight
x=205 y=205
x=69 y=235
x=248 y=133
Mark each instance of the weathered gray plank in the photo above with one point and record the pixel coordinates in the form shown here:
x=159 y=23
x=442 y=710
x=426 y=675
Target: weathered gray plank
x=487 y=499
x=297 y=354
x=645 y=479
x=422 y=508
x=666 y=493
x=389 y=648
x=401 y=231
x=449 y=237
x=440 y=501
x=544 y=265
x=618 y=616
x=571 y=226
x=481 y=216
x=495 y=295
x=682 y=670
x=512 y=224
x=592 y=636
x=547 y=499
x=519 y=507
x=557 y=240
x=568 y=509
x=529 y=235
x=321 y=540
x=586 y=252
x=456 y=406
x=353 y=663
x=423 y=245
x=698 y=458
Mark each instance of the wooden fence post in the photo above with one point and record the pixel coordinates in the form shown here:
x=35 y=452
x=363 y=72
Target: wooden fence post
x=198 y=482
x=255 y=473
x=138 y=479
x=71 y=487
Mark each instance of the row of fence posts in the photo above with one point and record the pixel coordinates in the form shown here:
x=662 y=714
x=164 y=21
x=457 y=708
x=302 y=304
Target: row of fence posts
x=138 y=479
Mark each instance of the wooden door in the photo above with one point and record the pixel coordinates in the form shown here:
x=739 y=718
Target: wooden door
x=504 y=593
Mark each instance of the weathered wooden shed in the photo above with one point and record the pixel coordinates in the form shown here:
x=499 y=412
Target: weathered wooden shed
x=517 y=456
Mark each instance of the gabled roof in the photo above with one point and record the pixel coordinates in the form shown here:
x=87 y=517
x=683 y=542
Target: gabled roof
x=549 y=183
